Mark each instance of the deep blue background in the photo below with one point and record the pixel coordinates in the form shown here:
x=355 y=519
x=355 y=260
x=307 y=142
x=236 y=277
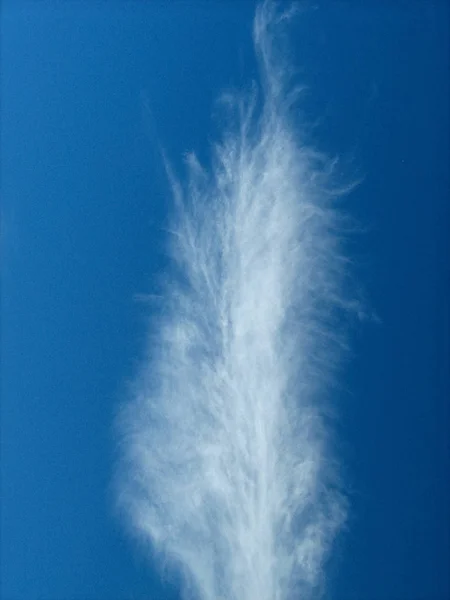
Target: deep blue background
x=91 y=92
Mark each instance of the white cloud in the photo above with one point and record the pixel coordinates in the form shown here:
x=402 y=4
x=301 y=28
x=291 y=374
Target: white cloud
x=227 y=469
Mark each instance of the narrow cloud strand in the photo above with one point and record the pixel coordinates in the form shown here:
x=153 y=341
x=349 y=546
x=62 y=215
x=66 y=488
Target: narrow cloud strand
x=227 y=467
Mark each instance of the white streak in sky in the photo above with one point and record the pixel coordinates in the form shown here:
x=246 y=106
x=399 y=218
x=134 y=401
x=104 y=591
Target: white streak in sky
x=227 y=468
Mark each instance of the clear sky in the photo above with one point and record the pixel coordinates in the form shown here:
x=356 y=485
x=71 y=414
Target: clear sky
x=91 y=92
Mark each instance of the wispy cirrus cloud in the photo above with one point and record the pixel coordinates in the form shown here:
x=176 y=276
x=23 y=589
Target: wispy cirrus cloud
x=227 y=468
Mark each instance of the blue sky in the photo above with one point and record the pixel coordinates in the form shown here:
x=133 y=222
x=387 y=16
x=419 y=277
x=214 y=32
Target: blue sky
x=90 y=94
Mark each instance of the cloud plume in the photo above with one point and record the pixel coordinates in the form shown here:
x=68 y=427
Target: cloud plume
x=227 y=468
